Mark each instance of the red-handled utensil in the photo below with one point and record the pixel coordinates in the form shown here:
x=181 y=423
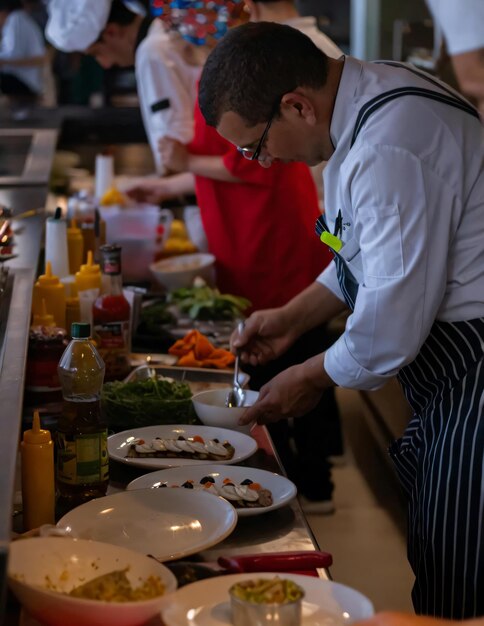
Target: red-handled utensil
x=277 y=562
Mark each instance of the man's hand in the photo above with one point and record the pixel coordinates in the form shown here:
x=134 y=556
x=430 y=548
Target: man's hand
x=292 y=393
x=174 y=154
x=267 y=334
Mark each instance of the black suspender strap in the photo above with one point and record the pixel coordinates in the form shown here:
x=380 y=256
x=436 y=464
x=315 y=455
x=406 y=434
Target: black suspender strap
x=375 y=103
x=426 y=77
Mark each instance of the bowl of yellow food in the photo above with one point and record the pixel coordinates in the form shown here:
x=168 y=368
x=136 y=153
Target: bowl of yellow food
x=266 y=601
x=62 y=581
x=180 y=271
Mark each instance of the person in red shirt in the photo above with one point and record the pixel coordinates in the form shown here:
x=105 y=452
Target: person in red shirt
x=259 y=225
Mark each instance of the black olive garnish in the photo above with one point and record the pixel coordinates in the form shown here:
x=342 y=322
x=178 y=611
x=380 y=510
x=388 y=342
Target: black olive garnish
x=187 y=485
x=247 y=481
x=207 y=479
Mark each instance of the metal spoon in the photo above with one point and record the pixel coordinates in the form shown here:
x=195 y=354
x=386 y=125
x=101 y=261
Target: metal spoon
x=236 y=395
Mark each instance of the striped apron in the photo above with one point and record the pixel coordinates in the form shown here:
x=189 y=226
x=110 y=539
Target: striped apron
x=440 y=458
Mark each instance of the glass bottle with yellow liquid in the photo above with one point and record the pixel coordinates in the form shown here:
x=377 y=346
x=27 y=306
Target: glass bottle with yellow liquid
x=82 y=456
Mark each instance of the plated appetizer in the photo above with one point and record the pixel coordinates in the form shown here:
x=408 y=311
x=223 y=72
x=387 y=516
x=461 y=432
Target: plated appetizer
x=244 y=495
x=195 y=448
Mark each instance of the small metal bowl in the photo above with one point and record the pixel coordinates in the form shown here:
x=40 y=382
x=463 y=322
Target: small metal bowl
x=245 y=613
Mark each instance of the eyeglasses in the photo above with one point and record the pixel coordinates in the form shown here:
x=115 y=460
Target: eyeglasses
x=254 y=155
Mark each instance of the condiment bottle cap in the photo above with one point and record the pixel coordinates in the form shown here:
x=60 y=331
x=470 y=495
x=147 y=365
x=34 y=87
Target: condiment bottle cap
x=43 y=318
x=48 y=278
x=73 y=228
x=36 y=434
x=80 y=330
x=90 y=267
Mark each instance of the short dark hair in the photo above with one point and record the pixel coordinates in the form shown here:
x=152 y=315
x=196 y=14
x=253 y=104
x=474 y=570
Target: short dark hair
x=253 y=66
x=120 y=14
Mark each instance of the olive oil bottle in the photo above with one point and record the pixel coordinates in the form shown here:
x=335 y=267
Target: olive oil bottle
x=82 y=470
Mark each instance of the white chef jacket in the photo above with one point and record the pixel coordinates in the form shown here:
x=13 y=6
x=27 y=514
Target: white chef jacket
x=462 y=23
x=167 y=89
x=411 y=193
x=309 y=27
x=22 y=38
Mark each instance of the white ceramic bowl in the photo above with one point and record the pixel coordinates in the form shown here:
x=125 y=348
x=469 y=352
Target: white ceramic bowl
x=180 y=271
x=70 y=562
x=211 y=410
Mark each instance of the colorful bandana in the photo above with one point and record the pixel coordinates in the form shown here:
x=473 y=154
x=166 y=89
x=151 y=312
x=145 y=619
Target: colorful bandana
x=198 y=21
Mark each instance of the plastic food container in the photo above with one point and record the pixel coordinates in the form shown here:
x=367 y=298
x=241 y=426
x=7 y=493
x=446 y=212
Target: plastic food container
x=135 y=229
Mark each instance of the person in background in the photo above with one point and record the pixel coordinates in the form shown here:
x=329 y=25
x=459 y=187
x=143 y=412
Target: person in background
x=250 y=216
x=122 y=33
x=404 y=196
x=462 y=24
x=329 y=430
x=22 y=56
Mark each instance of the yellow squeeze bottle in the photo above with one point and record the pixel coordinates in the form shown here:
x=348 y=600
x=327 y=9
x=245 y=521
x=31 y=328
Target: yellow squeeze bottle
x=37 y=463
x=49 y=288
x=89 y=276
x=75 y=247
x=43 y=318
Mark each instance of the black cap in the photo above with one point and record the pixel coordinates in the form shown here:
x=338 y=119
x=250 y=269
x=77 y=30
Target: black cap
x=80 y=330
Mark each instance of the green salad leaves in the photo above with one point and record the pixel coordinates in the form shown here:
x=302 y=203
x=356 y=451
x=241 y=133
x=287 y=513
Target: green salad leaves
x=146 y=403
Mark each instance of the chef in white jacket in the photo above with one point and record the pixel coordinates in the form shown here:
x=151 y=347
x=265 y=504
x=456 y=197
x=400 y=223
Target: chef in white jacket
x=119 y=32
x=404 y=196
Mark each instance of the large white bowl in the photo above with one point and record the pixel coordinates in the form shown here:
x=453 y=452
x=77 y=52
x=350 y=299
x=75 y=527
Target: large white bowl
x=66 y=563
x=211 y=410
x=180 y=271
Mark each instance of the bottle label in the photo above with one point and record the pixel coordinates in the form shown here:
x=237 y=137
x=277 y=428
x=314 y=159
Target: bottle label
x=112 y=335
x=82 y=459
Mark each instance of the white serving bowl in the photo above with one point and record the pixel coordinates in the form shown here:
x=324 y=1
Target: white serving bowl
x=211 y=410
x=180 y=271
x=66 y=563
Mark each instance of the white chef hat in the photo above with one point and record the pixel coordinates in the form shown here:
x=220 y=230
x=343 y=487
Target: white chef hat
x=74 y=25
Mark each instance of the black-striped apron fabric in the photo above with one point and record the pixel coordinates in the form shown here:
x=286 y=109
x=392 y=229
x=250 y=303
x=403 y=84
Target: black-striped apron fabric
x=347 y=282
x=440 y=462
x=440 y=458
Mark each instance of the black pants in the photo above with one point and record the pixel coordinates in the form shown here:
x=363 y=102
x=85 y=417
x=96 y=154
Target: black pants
x=315 y=435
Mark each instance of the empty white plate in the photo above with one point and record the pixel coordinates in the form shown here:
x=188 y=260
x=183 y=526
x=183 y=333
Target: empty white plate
x=165 y=523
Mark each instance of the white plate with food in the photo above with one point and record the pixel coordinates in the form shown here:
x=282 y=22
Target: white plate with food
x=154 y=447
x=251 y=491
x=165 y=523
x=207 y=602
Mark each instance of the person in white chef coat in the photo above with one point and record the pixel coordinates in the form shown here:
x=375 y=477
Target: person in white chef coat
x=121 y=32
x=22 y=56
x=462 y=25
x=404 y=198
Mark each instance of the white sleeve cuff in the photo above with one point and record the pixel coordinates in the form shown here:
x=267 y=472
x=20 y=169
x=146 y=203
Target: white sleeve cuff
x=345 y=371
